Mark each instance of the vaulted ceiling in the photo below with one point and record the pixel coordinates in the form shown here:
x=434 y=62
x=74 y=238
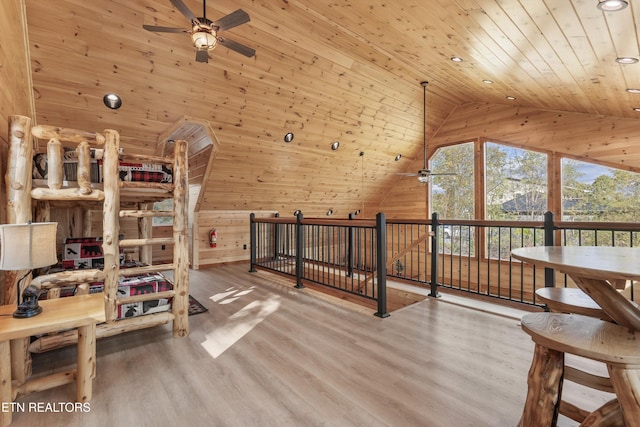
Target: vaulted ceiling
x=335 y=70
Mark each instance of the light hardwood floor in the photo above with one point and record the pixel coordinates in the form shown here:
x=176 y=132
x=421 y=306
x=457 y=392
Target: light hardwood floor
x=267 y=354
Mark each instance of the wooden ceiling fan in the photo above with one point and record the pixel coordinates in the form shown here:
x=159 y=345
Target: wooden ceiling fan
x=425 y=174
x=205 y=34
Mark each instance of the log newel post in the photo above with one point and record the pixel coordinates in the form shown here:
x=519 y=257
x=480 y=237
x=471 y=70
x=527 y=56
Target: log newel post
x=381 y=264
x=252 y=242
x=299 y=250
x=549 y=274
x=349 y=272
x=435 y=226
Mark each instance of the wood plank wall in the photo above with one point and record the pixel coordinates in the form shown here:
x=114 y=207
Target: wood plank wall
x=233 y=235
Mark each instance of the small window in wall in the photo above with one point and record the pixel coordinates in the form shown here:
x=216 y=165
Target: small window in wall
x=515 y=183
x=453 y=196
x=165 y=205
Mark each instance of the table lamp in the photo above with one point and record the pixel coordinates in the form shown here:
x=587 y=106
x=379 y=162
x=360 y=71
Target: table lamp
x=25 y=247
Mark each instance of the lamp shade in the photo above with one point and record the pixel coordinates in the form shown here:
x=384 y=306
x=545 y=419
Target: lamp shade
x=28 y=246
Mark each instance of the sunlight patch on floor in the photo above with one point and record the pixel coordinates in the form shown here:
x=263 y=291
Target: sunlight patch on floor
x=240 y=323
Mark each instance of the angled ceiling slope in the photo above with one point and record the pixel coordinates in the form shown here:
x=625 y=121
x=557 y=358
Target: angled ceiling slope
x=202 y=148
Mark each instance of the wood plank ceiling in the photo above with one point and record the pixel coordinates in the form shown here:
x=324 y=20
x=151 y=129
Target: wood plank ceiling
x=336 y=70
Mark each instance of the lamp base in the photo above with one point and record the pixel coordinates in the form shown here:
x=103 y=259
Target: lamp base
x=25 y=312
x=29 y=306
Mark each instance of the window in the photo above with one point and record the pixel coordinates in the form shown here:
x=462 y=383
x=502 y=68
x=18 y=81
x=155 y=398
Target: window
x=452 y=196
x=165 y=205
x=592 y=192
x=516 y=183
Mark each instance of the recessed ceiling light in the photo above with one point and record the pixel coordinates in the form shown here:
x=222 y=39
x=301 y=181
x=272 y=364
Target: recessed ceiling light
x=631 y=90
x=288 y=137
x=456 y=59
x=626 y=60
x=113 y=101
x=511 y=98
x=611 y=5
x=487 y=81
x=330 y=212
x=398 y=157
x=335 y=145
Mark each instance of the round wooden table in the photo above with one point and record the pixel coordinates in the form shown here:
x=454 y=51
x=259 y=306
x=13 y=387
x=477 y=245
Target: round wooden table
x=595 y=270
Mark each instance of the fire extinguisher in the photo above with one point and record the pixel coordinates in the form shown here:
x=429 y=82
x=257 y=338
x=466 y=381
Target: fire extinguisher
x=213 y=238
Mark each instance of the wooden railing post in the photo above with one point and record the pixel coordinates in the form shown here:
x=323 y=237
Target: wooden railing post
x=252 y=242
x=434 y=254
x=299 y=250
x=381 y=264
x=549 y=274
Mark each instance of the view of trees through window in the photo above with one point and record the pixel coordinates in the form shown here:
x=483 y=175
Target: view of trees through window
x=165 y=205
x=516 y=183
x=598 y=193
x=453 y=196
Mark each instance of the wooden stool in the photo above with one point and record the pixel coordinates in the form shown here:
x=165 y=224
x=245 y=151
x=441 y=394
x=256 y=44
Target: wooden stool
x=574 y=300
x=556 y=334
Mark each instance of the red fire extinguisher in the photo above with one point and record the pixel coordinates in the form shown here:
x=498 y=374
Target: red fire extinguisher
x=213 y=238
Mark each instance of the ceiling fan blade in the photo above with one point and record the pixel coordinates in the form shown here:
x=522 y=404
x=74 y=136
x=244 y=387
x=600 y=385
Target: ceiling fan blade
x=158 y=29
x=178 y=4
x=233 y=19
x=202 y=55
x=406 y=174
x=235 y=46
x=443 y=174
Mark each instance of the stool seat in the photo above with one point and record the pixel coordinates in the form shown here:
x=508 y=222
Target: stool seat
x=571 y=300
x=584 y=336
x=558 y=333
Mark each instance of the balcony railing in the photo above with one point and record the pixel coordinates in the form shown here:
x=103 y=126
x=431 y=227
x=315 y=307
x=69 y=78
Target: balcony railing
x=356 y=256
x=346 y=255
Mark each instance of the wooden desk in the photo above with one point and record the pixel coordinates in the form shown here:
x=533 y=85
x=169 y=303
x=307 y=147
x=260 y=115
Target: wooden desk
x=82 y=312
x=596 y=271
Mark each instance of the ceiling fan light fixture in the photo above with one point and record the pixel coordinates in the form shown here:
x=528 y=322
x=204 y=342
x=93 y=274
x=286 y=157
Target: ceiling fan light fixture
x=424 y=179
x=612 y=5
x=203 y=39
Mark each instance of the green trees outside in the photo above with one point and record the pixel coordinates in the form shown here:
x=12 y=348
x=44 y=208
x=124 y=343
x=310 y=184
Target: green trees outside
x=516 y=189
x=452 y=196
